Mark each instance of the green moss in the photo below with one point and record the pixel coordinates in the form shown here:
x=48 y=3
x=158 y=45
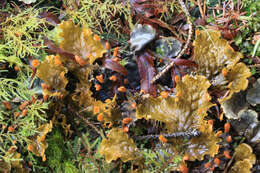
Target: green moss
x=59 y=156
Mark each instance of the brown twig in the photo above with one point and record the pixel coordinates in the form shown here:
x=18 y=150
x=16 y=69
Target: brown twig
x=229 y=163
x=169 y=66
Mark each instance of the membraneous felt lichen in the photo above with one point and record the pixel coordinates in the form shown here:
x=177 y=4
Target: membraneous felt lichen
x=212 y=53
x=118 y=145
x=244 y=158
x=53 y=74
x=218 y=61
x=184 y=112
x=81 y=42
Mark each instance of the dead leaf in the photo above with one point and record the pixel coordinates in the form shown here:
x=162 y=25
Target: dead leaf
x=147 y=72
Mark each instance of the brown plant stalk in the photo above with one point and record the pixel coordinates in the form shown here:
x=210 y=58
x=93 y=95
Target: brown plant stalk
x=169 y=66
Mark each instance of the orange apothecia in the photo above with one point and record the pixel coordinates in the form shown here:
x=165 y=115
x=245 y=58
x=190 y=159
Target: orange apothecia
x=230 y=48
x=96 y=37
x=113 y=78
x=100 y=78
x=44 y=86
x=227 y=155
x=97 y=87
x=10 y=129
x=224 y=72
x=177 y=78
x=25 y=111
x=197 y=32
x=7 y=105
x=183 y=168
x=43 y=158
x=229 y=139
x=107 y=46
x=57 y=60
x=126 y=81
x=80 y=61
x=45 y=97
x=16 y=68
x=211 y=122
x=35 y=63
x=116 y=59
x=100 y=117
x=185 y=157
x=115 y=51
x=227 y=127
x=217 y=161
x=178 y=94
x=121 y=89
x=127 y=120
x=125 y=129
x=207 y=96
x=164 y=94
x=133 y=105
x=207 y=165
x=23 y=105
x=162 y=139
x=95 y=109
x=219 y=133
x=16 y=114
x=30 y=147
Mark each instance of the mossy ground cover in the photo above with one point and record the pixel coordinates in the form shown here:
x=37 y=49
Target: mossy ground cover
x=129 y=86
